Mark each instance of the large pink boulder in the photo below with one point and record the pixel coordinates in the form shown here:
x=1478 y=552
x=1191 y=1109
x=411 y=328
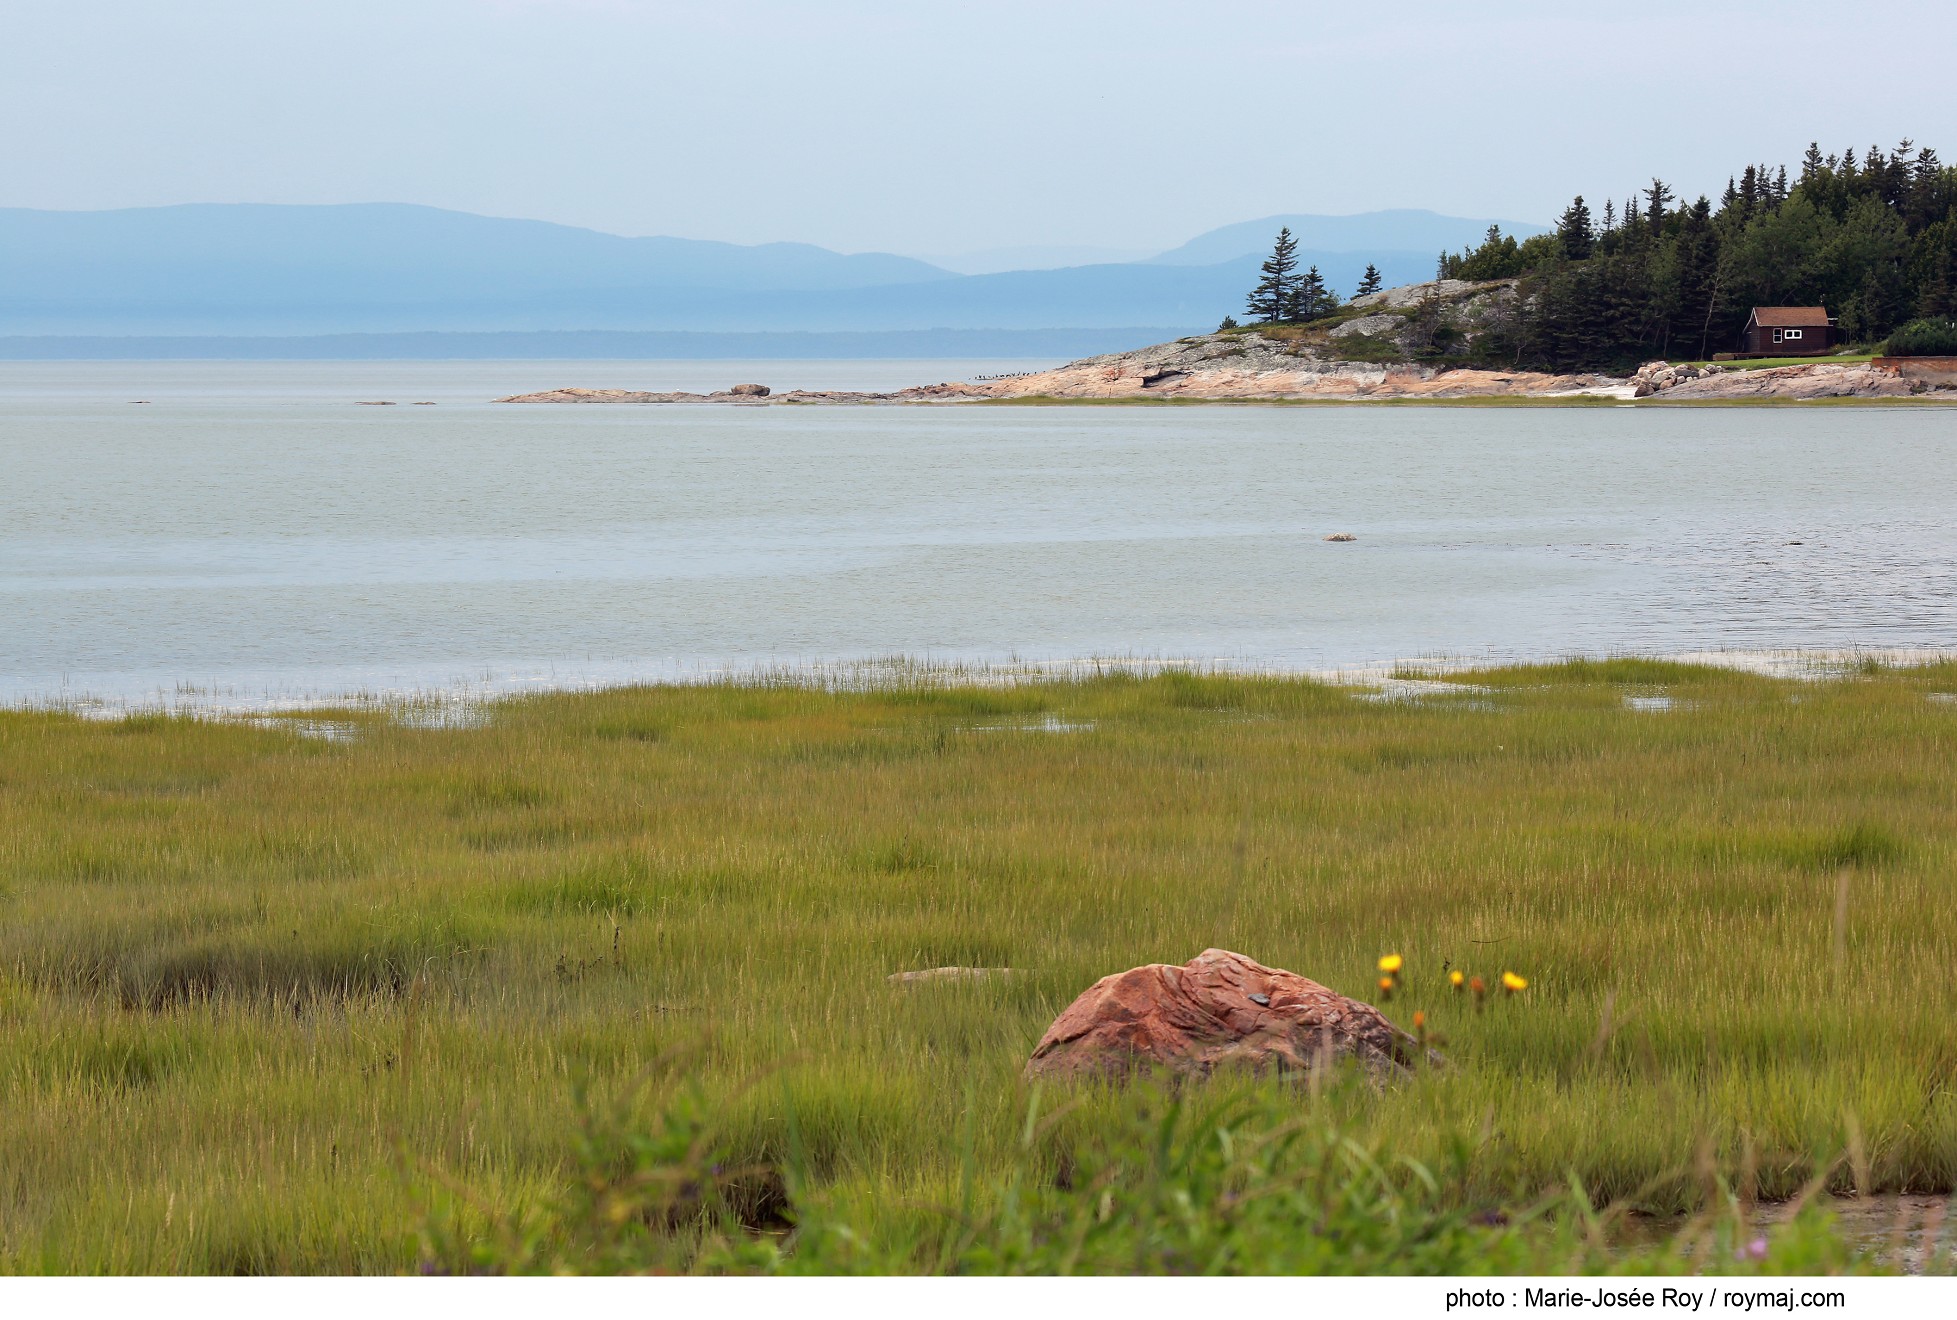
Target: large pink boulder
x=1218 y=1008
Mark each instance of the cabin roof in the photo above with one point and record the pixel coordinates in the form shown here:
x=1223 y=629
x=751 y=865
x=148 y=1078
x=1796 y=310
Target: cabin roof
x=1790 y=316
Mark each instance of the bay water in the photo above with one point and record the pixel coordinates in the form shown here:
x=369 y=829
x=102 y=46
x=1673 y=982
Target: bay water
x=265 y=532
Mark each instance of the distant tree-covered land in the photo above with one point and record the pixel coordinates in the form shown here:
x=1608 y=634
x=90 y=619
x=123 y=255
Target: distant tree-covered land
x=1871 y=237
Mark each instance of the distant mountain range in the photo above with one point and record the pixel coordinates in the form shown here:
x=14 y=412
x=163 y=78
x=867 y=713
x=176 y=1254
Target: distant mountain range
x=229 y=271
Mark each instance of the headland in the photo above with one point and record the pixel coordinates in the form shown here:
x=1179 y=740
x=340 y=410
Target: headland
x=1377 y=349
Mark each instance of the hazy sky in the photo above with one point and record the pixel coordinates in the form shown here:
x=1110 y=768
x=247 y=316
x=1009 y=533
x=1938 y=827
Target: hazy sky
x=936 y=128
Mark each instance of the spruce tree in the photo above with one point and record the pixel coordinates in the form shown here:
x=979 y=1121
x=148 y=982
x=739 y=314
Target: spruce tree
x=1812 y=164
x=1695 y=266
x=1655 y=198
x=1370 y=282
x=1272 y=300
x=1939 y=294
x=1309 y=299
x=1927 y=191
x=1574 y=230
x=1896 y=177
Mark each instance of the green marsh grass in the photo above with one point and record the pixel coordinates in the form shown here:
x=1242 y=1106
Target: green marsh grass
x=262 y=995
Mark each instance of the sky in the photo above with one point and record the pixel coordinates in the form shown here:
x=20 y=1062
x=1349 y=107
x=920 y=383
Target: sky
x=941 y=128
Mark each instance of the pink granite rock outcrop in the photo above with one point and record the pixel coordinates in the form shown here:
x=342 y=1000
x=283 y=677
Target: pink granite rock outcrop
x=1218 y=1009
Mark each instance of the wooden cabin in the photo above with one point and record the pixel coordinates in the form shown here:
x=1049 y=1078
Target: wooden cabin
x=1788 y=331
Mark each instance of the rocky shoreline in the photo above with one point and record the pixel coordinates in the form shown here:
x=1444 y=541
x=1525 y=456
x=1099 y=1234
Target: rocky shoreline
x=1356 y=360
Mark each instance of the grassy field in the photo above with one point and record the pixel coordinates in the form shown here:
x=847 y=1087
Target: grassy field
x=265 y=997
x=1762 y=363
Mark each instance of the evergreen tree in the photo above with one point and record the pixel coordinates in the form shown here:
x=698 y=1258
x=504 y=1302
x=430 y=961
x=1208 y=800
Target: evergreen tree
x=1573 y=228
x=1310 y=299
x=1370 y=282
x=1655 y=198
x=1327 y=296
x=1316 y=295
x=1939 y=285
x=1896 y=176
x=1931 y=193
x=1498 y=258
x=1695 y=276
x=1610 y=216
x=1273 y=298
x=1812 y=164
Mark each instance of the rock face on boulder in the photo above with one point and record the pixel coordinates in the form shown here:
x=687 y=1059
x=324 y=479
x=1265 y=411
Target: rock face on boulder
x=1407 y=295
x=1655 y=376
x=1820 y=379
x=1218 y=1009
x=1377 y=324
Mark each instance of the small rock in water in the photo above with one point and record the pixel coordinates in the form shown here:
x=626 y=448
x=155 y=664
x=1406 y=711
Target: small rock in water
x=375 y=403
x=1341 y=536
x=751 y=391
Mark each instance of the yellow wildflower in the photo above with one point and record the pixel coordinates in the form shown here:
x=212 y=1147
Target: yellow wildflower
x=1391 y=964
x=1457 y=979
x=1513 y=983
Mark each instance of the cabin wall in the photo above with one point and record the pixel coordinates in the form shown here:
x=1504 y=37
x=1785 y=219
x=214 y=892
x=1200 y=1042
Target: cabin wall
x=1814 y=339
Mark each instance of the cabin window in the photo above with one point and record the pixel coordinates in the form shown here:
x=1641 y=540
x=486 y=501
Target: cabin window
x=1778 y=333
x=1790 y=334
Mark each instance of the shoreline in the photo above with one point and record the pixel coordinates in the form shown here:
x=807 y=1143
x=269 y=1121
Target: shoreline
x=1475 y=401
x=1822 y=383
x=1942 y=399
x=1367 y=359
x=457 y=704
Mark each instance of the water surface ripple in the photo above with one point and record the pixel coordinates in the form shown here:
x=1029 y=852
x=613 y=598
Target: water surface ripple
x=253 y=530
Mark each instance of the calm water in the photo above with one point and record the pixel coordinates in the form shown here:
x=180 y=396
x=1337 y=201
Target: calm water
x=251 y=530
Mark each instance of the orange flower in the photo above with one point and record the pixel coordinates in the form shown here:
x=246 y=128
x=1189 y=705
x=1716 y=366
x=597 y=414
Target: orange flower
x=1385 y=987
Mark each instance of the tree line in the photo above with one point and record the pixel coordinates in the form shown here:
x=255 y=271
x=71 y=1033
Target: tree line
x=1871 y=237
